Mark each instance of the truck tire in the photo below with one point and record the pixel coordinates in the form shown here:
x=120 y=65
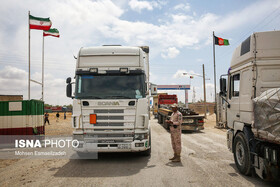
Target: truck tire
x=164 y=124
x=146 y=153
x=159 y=119
x=241 y=153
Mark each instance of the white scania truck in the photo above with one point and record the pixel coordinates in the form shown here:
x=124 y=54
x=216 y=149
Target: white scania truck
x=251 y=102
x=111 y=102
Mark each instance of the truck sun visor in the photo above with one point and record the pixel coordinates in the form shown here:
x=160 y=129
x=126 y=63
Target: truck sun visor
x=111 y=72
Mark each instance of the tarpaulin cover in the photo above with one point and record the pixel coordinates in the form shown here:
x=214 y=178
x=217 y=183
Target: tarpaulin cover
x=267 y=116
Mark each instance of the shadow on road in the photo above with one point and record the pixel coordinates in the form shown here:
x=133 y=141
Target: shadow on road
x=254 y=178
x=192 y=132
x=107 y=165
x=174 y=164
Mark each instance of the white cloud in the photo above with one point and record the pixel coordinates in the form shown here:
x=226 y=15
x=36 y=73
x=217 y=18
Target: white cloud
x=185 y=7
x=140 y=5
x=180 y=18
x=171 y=52
x=10 y=72
x=92 y=23
x=15 y=81
x=179 y=74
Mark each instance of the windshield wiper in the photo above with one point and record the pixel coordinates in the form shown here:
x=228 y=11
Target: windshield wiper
x=118 y=96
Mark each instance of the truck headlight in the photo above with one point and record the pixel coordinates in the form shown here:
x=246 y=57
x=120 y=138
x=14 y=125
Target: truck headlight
x=141 y=136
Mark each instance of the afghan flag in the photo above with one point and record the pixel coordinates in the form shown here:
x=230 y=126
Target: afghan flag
x=52 y=32
x=221 y=41
x=39 y=23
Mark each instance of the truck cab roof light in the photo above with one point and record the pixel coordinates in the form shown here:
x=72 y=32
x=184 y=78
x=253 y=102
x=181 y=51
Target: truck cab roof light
x=124 y=70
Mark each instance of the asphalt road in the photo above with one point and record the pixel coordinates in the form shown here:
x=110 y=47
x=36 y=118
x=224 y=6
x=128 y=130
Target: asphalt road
x=205 y=162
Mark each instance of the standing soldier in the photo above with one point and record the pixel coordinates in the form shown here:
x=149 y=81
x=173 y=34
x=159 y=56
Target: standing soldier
x=175 y=131
x=46 y=118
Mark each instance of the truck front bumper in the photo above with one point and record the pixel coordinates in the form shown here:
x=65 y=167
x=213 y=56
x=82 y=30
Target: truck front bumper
x=135 y=146
x=192 y=127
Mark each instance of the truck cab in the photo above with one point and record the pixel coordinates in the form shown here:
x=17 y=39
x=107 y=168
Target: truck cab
x=254 y=69
x=111 y=99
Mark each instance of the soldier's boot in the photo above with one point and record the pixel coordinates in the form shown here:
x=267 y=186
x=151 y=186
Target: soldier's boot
x=173 y=157
x=177 y=159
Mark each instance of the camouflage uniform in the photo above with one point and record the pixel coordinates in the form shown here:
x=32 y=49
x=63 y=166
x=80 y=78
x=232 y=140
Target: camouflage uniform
x=177 y=120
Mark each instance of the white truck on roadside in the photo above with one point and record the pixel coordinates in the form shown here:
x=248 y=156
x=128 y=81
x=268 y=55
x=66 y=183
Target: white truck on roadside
x=111 y=102
x=251 y=98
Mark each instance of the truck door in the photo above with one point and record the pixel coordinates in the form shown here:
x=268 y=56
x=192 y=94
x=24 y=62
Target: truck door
x=233 y=113
x=245 y=95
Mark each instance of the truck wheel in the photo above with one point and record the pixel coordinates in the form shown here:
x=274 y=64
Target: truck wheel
x=242 y=154
x=146 y=153
x=159 y=119
x=163 y=122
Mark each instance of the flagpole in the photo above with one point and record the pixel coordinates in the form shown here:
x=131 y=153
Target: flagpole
x=204 y=92
x=43 y=64
x=28 y=55
x=215 y=78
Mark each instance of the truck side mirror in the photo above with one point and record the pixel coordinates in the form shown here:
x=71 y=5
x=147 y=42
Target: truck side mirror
x=153 y=89
x=223 y=86
x=69 y=90
x=68 y=80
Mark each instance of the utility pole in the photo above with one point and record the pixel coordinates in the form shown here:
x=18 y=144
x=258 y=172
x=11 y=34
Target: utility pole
x=204 y=90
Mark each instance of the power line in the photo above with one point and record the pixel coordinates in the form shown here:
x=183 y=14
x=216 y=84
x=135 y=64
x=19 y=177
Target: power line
x=250 y=31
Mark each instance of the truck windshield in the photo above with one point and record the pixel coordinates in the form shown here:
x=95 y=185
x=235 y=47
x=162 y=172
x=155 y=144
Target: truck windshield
x=110 y=86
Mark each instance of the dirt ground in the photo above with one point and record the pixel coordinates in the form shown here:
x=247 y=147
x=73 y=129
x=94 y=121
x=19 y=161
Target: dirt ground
x=206 y=161
x=60 y=127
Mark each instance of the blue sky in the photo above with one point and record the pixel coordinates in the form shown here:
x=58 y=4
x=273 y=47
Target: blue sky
x=178 y=32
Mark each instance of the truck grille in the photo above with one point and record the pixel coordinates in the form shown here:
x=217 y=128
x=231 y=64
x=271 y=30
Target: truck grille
x=114 y=125
x=110 y=117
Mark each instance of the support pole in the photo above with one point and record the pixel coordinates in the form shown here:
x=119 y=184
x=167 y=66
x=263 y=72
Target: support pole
x=186 y=98
x=28 y=55
x=204 y=90
x=43 y=68
x=215 y=78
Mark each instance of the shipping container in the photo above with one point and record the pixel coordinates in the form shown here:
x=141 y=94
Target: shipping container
x=22 y=117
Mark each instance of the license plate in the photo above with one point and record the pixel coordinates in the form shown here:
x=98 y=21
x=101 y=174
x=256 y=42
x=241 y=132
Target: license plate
x=108 y=141
x=124 y=146
x=188 y=121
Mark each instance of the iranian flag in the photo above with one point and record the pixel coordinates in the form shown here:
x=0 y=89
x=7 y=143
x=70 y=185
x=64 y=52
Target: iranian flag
x=39 y=23
x=221 y=41
x=52 y=32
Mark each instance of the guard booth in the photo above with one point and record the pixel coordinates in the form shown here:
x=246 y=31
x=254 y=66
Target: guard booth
x=24 y=117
